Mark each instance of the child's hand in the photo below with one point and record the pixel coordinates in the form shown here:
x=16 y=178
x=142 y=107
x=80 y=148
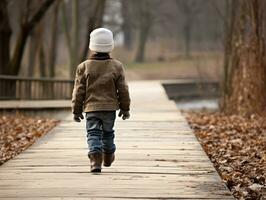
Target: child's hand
x=124 y=114
x=78 y=117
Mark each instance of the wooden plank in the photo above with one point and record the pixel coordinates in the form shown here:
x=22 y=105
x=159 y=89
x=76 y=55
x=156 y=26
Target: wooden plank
x=105 y=198
x=158 y=157
x=118 y=168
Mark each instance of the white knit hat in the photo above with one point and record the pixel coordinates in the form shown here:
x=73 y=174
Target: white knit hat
x=101 y=40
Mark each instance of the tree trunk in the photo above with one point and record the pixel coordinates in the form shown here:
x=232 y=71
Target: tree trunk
x=95 y=20
x=32 y=53
x=67 y=35
x=143 y=36
x=42 y=63
x=41 y=49
x=146 y=19
x=72 y=39
x=74 y=36
x=15 y=62
x=229 y=22
x=246 y=66
x=190 y=9
x=53 y=45
x=127 y=25
x=5 y=36
x=25 y=29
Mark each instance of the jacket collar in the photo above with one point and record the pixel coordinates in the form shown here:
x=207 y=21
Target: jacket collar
x=100 y=56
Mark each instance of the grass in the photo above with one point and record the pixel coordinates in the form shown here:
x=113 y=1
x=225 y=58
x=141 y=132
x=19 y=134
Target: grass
x=205 y=66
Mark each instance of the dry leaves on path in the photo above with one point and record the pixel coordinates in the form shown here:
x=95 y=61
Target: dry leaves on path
x=18 y=132
x=237 y=147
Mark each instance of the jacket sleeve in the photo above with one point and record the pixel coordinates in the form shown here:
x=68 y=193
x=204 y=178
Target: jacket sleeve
x=79 y=91
x=122 y=91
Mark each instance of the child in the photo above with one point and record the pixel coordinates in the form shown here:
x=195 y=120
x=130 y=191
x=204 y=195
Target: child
x=100 y=89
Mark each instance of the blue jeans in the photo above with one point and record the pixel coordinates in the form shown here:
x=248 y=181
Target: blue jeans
x=100 y=132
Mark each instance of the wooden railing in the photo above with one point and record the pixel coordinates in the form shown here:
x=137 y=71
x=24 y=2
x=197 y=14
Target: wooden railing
x=24 y=88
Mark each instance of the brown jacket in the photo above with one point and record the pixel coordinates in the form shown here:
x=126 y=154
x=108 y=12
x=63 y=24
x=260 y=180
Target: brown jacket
x=100 y=86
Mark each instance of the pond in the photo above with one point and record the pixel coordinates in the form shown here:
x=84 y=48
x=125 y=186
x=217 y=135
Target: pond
x=197 y=104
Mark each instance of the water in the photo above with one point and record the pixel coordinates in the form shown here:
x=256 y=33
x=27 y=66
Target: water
x=197 y=104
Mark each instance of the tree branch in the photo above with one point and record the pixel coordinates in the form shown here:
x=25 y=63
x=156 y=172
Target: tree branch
x=39 y=14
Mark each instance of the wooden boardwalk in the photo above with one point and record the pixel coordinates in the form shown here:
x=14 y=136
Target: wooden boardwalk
x=158 y=157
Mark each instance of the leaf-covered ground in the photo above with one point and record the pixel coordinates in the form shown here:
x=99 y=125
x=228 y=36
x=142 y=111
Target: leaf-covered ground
x=18 y=132
x=237 y=148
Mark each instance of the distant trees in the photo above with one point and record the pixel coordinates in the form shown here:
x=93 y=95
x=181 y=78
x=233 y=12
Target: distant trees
x=38 y=47
x=190 y=9
x=245 y=63
x=38 y=29
x=95 y=20
x=142 y=24
x=11 y=64
x=185 y=22
x=144 y=13
x=71 y=34
x=54 y=39
x=127 y=26
x=33 y=49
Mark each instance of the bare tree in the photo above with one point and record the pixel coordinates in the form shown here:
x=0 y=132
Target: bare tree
x=127 y=24
x=28 y=23
x=95 y=20
x=71 y=39
x=41 y=50
x=54 y=36
x=145 y=16
x=33 y=47
x=35 y=41
x=5 y=36
x=245 y=64
x=189 y=9
x=67 y=34
x=75 y=35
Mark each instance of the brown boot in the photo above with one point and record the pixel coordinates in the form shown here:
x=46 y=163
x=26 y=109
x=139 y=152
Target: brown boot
x=96 y=162
x=108 y=159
